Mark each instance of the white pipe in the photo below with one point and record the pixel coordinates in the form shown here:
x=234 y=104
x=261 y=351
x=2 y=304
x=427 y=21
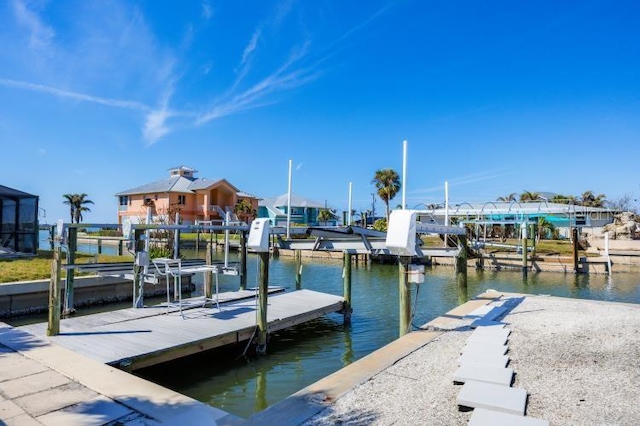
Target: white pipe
x=349 y=214
x=446 y=209
x=147 y=237
x=176 y=238
x=404 y=175
x=289 y=203
x=606 y=251
x=226 y=240
x=446 y=203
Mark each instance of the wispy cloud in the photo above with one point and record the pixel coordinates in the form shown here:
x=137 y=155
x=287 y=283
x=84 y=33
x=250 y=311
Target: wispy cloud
x=40 y=34
x=248 y=50
x=465 y=180
x=74 y=95
x=207 y=10
x=284 y=78
x=155 y=125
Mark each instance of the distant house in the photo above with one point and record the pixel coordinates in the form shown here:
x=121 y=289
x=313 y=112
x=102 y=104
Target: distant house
x=196 y=199
x=18 y=221
x=303 y=211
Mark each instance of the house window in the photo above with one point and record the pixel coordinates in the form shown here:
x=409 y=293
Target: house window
x=182 y=200
x=124 y=200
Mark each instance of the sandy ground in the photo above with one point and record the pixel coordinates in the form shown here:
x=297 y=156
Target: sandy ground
x=578 y=360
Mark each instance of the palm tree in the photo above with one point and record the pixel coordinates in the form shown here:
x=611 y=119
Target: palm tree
x=588 y=199
x=529 y=196
x=325 y=215
x=544 y=225
x=77 y=204
x=564 y=199
x=69 y=200
x=507 y=198
x=245 y=210
x=387 y=183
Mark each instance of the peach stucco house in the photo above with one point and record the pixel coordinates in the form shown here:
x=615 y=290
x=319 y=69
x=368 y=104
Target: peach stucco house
x=197 y=199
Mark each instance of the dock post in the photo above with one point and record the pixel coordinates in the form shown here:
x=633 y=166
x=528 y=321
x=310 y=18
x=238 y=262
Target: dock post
x=243 y=260
x=298 y=257
x=405 y=295
x=53 y=327
x=461 y=264
x=525 y=252
x=138 y=279
x=69 y=282
x=574 y=240
x=52 y=232
x=208 y=276
x=263 y=286
x=346 y=277
x=120 y=248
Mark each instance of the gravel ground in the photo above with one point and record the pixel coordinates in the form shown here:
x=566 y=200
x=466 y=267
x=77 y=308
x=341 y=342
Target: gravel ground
x=578 y=360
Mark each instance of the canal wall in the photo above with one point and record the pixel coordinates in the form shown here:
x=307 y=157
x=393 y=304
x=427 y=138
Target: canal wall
x=32 y=297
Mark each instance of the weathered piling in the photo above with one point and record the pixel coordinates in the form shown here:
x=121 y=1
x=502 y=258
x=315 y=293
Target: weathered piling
x=53 y=327
x=346 y=277
x=298 y=258
x=72 y=246
x=208 y=276
x=263 y=285
x=405 y=295
x=243 y=260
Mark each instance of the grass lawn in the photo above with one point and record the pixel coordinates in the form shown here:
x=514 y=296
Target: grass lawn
x=39 y=267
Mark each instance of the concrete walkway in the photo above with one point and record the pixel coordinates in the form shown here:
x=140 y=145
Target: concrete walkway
x=44 y=384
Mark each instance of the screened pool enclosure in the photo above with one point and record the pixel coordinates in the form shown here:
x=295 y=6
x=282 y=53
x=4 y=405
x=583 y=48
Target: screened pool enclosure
x=18 y=221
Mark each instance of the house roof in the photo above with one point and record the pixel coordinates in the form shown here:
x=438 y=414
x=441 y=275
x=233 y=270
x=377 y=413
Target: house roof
x=7 y=192
x=180 y=184
x=296 y=201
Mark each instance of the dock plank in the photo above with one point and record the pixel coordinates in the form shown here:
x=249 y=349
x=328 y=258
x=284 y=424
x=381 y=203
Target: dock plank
x=138 y=338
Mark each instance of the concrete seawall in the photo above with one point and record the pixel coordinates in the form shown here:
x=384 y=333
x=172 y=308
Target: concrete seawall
x=30 y=297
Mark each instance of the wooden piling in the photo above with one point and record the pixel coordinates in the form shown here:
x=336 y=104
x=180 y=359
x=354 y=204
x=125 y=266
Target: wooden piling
x=263 y=286
x=243 y=260
x=208 y=276
x=298 y=257
x=574 y=240
x=405 y=295
x=525 y=253
x=70 y=280
x=346 y=277
x=461 y=263
x=138 y=279
x=53 y=327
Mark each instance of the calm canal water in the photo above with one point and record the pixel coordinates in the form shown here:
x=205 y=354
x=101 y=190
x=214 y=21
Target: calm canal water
x=299 y=357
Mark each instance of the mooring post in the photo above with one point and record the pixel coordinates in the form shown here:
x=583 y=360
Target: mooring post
x=138 y=278
x=405 y=295
x=461 y=263
x=69 y=282
x=197 y=241
x=53 y=327
x=574 y=238
x=346 y=277
x=52 y=232
x=298 y=257
x=525 y=253
x=208 y=276
x=243 y=260
x=263 y=286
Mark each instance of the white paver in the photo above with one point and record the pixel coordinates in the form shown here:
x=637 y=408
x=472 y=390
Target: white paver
x=481 y=358
x=483 y=373
x=487 y=312
x=487 y=348
x=494 y=339
x=499 y=330
x=493 y=397
x=482 y=322
x=482 y=417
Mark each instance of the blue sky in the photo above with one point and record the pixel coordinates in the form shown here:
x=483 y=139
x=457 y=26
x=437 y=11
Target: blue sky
x=492 y=96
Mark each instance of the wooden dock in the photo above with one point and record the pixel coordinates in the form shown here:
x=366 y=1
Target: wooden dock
x=136 y=338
